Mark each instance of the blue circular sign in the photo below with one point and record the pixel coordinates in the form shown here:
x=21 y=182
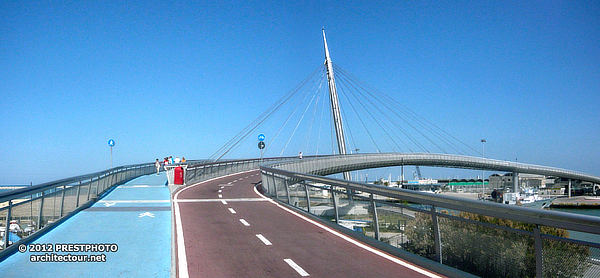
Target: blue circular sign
x=261 y=137
x=111 y=142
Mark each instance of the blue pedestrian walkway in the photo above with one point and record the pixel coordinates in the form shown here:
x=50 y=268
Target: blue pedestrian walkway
x=134 y=217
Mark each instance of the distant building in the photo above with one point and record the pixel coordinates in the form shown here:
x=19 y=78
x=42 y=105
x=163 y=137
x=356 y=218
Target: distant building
x=505 y=181
x=501 y=181
x=532 y=181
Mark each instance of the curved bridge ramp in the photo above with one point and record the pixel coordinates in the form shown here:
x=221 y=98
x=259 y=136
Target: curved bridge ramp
x=224 y=228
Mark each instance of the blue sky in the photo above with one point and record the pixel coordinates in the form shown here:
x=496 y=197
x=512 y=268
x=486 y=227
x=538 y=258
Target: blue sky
x=182 y=77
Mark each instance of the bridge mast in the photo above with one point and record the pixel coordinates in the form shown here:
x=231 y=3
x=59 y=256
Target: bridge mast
x=335 y=106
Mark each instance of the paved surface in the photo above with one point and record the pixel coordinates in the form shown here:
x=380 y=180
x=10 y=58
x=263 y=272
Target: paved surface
x=225 y=229
x=579 y=201
x=135 y=216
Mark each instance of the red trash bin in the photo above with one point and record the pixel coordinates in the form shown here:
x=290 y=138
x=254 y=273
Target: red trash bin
x=178 y=179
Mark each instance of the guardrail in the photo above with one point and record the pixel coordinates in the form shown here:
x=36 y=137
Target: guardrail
x=342 y=163
x=29 y=212
x=481 y=238
x=197 y=172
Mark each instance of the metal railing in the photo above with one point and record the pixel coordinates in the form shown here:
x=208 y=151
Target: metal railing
x=200 y=171
x=482 y=238
x=337 y=164
x=28 y=212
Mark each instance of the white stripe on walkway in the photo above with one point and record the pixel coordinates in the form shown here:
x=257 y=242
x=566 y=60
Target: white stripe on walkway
x=134 y=201
x=245 y=222
x=219 y=200
x=182 y=266
x=296 y=267
x=264 y=239
x=355 y=242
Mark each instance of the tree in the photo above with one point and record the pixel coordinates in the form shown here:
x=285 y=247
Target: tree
x=490 y=252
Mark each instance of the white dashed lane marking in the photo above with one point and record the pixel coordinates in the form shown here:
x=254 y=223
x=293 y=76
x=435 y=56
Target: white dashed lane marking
x=296 y=267
x=264 y=239
x=245 y=222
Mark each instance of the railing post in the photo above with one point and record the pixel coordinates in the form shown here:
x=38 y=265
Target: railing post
x=113 y=179
x=90 y=187
x=375 y=218
x=287 y=191
x=97 y=186
x=78 y=191
x=62 y=201
x=307 y=196
x=539 y=266
x=39 y=222
x=275 y=186
x=335 y=207
x=437 y=244
x=7 y=224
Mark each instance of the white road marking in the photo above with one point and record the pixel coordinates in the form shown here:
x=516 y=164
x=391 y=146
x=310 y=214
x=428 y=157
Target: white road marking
x=232 y=211
x=220 y=190
x=220 y=196
x=146 y=214
x=245 y=222
x=357 y=243
x=220 y=200
x=138 y=186
x=296 y=267
x=181 y=256
x=182 y=265
x=134 y=201
x=264 y=239
x=224 y=202
x=108 y=204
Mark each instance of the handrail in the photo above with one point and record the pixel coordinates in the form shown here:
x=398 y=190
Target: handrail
x=474 y=236
x=17 y=193
x=562 y=220
x=341 y=163
x=70 y=195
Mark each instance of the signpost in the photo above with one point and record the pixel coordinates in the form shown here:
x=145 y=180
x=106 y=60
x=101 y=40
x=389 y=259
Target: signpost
x=111 y=143
x=261 y=144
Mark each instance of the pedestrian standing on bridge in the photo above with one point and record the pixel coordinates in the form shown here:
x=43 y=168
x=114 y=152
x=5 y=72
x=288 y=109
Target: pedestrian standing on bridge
x=300 y=155
x=157 y=165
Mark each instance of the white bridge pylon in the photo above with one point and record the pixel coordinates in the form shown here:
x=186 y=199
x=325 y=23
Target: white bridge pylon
x=335 y=106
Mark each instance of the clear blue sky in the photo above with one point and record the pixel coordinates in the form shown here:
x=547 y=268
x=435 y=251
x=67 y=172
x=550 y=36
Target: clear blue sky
x=178 y=78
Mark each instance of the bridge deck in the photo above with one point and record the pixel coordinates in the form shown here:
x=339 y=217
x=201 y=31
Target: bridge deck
x=225 y=229
x=135 y=216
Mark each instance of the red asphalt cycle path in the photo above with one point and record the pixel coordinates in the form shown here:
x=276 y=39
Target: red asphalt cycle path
x=220 y=223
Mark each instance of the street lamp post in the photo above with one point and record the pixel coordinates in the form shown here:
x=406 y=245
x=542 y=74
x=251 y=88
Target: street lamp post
x=483 y=171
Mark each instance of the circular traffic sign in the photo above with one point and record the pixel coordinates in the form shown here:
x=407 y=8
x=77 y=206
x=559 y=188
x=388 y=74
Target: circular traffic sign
x=261 y=137
x=261 y=145
x=111 y=142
